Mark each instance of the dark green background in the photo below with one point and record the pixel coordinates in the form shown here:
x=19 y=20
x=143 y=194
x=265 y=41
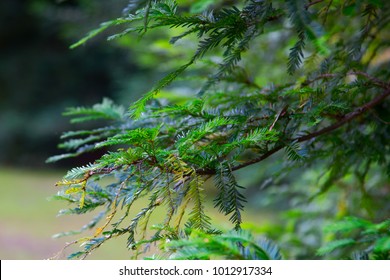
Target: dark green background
x=40 y=76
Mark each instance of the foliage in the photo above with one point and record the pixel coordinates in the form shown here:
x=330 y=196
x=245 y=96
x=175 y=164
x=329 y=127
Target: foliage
x=238 y=245
x=303 y=210
x=374 y=237
x=330 y=108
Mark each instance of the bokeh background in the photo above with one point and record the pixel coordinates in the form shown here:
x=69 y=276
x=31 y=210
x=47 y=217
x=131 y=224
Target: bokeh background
x=40 y=77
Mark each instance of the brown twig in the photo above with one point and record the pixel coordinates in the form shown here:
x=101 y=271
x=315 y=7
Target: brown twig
x=308 y=5
x=320 y=77
x=375 y=80
x=326 y=12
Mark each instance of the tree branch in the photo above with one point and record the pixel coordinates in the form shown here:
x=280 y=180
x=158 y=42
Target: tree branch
x=374 y=80
x=347 y=118
x=308 y=5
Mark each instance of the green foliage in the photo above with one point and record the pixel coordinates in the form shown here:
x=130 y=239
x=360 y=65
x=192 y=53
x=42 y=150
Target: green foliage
x=166 y=151
x=372 y=239
x=235 y=245
x=229 y=199
x=105 y=110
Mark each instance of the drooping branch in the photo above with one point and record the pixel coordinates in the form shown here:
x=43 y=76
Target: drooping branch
x=347 y=118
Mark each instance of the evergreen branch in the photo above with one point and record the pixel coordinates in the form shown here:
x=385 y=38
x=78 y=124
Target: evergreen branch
x=233 y=245
x=109 y=218
x=99 y=30
x=154 y=202
x=347 y=118
x=296 y=53
x=167 y=152
x=229 y=199
x=105 y=110
x=198 y=217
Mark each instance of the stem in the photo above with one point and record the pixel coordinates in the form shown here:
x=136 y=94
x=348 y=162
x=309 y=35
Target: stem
x=308 y=5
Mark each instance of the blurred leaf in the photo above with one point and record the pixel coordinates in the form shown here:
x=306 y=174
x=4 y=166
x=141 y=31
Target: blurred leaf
x=382 y=244
x=334 y=245
x=201 y=5
x=348 y=224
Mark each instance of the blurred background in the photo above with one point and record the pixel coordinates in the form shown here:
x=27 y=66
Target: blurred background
x=40 y=77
